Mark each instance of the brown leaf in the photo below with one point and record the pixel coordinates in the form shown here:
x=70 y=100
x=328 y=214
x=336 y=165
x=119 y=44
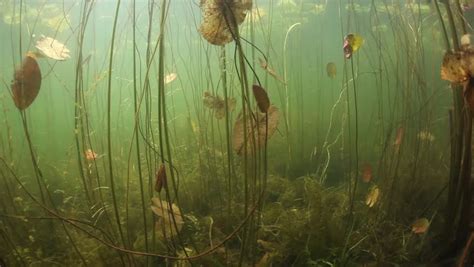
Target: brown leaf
x=160 y=178
x=27 y=82
x=420 y=226
x=469 y=94
x=331 y=70
x=220 y=16
x=263 y=102
x=455 y=67
x=257 y=129
x=165 y=212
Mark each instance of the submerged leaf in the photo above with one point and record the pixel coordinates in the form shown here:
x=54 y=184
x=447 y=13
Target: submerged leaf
x=256 y=126
x=366 y=173
x=26 y=82
x=161 y=179
x=454 y=67
x=420 y=226
x=165 y=212
x=170 y=77
x=352 y=43
x=52 y=48
x=331 y=70
x=217 y=104
x=263 y=102
x=221 y=18
x=372 y=196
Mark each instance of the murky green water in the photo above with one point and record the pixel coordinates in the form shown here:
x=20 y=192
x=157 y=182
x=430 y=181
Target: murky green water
x=346 y=165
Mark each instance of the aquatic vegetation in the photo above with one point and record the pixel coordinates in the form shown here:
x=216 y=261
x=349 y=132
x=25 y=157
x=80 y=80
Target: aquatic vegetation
x=217 y=104
x=109 y=168
x=221 y=17
x=331 y=70
x=26 y=82
x=373 y=196
x=264 y=65
x=261 y=128
x=420 y=226
x=160 y=179
x=352 y=43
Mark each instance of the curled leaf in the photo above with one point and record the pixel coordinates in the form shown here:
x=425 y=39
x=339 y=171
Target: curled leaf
x=263 y=102
x=26 y=82
x=160 y=179
x=352 y=43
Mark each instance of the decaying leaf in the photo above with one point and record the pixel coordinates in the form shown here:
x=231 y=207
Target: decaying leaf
x=420 y=226
x=217 y=104
x=161 y=179
x=372 y=196
x=26 y=82
x=263 y=102
x=255 y=129
x=52 y=48
x=165 y=225
x=221 y=19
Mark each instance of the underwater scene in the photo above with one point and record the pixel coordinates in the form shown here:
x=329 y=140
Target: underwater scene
x=236 y=133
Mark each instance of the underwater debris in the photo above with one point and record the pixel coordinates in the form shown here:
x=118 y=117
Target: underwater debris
x=217 y=104
x=352 y=43
x=366 y=173
x=26 y=82
x=264 y=64
x=263 y=102
x=331 y=70
x=420 y=226
x=161 y=179
x=52 y=48
x=165 y=212
x=90 y=155
x=221 y=18
x=372 y=196
x=170 y=77
x=257 y=129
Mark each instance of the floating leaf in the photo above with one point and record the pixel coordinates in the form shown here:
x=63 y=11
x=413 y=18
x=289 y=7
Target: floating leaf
x=257 y=129
x=372 y=196
x=366 y=173
x=263 y=102
x=420 y=226
x=161 y=179
x=165 y=213
x=52 y=48
x=217 y=104
x=26 y=82
x=221 y=19
x=331 y=70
